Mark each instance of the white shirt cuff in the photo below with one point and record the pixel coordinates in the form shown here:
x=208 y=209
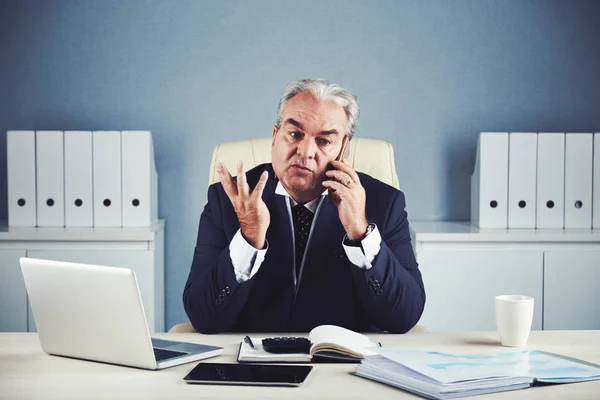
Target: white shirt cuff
x=362 y=256
x=246 y=259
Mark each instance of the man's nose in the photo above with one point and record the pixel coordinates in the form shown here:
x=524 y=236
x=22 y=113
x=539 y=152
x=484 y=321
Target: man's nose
x=307 y=148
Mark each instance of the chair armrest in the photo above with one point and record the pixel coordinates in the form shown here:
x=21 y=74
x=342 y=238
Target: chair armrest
x=185 y=327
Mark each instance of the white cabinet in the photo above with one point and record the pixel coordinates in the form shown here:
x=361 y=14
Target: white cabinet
x=461 y=285
x=140 y=249
x=572 y=290
x=465 y=267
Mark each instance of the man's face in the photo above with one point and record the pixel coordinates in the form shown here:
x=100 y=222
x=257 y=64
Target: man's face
x=309 y=138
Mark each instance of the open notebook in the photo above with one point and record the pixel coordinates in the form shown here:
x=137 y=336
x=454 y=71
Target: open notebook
x=330 y=343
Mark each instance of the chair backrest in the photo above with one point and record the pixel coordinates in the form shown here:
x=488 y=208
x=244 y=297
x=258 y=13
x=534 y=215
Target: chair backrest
x=373 y=157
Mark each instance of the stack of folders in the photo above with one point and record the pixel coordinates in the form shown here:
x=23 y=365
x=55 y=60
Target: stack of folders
x=81 y=179
x=437 y=375
x=536 y=180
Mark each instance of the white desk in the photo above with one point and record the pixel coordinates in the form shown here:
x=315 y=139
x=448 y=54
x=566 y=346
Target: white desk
x=28 y=373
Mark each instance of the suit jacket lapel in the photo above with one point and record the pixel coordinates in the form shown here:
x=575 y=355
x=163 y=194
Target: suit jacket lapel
x=280 y=229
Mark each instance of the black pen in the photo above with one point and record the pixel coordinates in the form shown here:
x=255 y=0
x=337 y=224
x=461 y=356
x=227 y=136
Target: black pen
x=249 y=341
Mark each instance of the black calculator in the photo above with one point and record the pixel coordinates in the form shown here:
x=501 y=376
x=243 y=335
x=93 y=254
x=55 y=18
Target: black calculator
x=286 y=344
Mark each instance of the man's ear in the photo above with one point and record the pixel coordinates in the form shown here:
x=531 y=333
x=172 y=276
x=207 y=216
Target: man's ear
x=275 y=128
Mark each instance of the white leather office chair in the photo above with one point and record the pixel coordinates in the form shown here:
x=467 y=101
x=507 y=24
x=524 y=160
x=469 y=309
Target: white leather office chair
x=373 y=157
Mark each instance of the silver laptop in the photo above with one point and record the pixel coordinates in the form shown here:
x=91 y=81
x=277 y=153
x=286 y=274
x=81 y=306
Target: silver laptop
x=95 y=313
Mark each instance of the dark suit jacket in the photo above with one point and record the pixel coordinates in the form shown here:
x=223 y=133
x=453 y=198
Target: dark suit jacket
x=389 y=296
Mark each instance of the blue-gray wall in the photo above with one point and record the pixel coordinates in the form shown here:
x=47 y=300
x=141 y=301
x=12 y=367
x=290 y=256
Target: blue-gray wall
x=430 y=75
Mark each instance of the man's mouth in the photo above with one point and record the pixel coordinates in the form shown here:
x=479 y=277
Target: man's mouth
x=300 y=167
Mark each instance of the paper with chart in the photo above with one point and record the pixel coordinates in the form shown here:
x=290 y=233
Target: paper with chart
x=447 y=368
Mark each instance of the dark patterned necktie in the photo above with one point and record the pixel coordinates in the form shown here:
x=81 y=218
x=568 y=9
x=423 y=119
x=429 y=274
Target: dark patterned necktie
x=303 y=218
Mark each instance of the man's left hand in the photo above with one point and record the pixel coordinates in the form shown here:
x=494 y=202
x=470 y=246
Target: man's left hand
x=350 y=198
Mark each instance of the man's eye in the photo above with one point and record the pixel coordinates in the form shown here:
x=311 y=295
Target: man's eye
x=323 y=142
x=296 y=135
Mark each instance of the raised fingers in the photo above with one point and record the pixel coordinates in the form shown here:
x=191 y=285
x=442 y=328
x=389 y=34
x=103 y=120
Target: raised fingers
x=227 y=181
x=260 y=186
x=242 y=186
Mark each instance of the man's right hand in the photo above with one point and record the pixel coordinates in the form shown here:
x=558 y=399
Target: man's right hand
x=252 y=212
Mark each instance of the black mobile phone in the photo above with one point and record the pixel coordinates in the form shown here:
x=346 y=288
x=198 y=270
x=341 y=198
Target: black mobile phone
x=344 y=151
x=248 y=374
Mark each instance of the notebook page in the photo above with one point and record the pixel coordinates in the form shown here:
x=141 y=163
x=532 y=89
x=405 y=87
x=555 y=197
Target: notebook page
x=354 y=341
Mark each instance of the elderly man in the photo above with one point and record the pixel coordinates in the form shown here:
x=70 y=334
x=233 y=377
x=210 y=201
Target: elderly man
x=305 y=240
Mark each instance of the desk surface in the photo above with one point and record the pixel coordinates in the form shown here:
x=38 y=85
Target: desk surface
x=28 y=373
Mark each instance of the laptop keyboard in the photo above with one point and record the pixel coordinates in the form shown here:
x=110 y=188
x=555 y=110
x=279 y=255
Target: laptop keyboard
x=162 y=354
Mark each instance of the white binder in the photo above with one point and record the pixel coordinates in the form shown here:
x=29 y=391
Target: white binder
x=78 y=179
x=550 y=180
x=20 y=159
x=50 y=178
x=106 y=168
x=489 y=181
x=578 y=180
x=522 y=175
x=596 y=186
x=140 y=181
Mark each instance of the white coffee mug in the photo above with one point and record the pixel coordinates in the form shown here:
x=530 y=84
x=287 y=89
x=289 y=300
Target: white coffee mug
x=514 y=314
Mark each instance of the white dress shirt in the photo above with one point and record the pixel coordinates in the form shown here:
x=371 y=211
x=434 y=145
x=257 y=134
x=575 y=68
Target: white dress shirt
x=247 y=260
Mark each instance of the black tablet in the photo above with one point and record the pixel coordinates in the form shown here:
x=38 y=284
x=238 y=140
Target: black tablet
x=248 y=374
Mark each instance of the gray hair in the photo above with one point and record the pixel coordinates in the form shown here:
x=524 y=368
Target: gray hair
x=323 y=90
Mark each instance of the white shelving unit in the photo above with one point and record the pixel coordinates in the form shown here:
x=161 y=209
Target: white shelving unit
x=464 y=267
x=140 y=249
